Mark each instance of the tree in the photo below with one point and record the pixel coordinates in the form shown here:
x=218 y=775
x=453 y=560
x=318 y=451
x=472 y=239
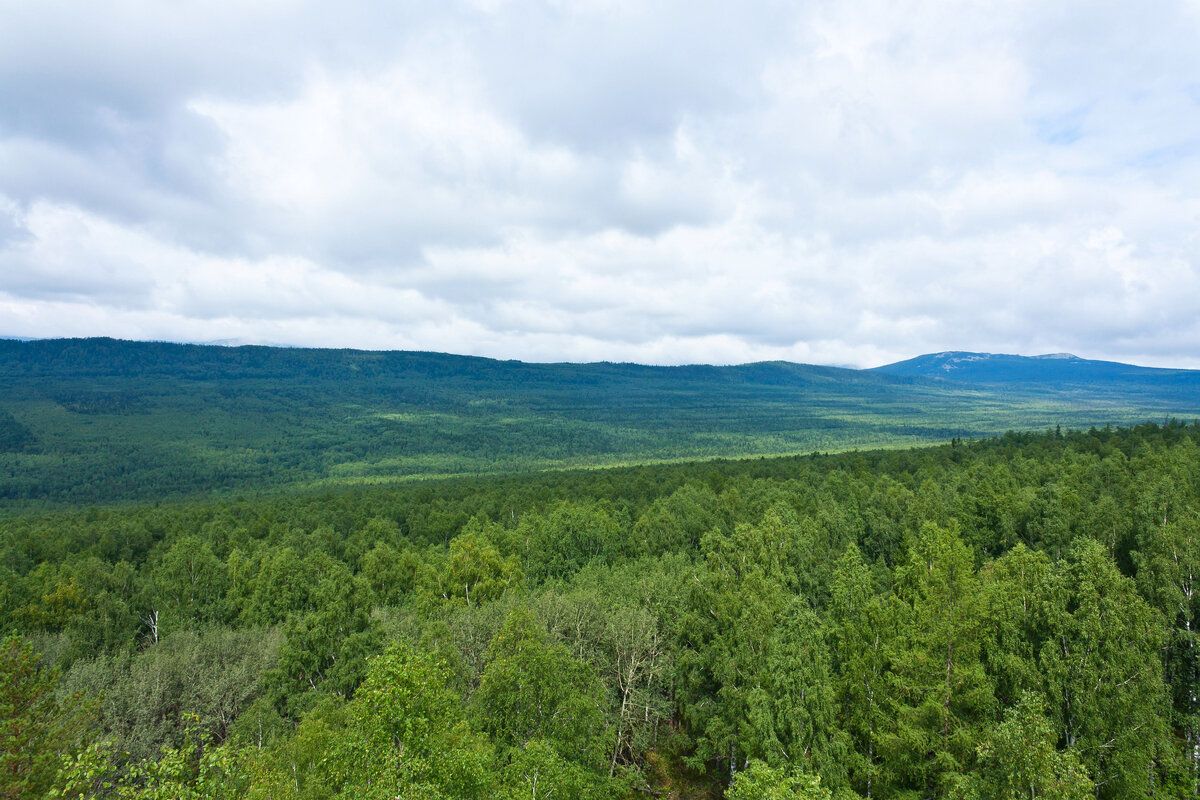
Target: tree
x=1168 y=577
x=792 y=708
x=210 y=676
x=531 y=689
x=1019 y=761
x=674 y=524
x=734 y=605
x=940 y=693
x=196 y=770
x=570 y=536
x=391 y=574
x=537 y=771
x=860 y=638
x=1103 y=674
x=191 y=581
x=35 y=730
x=406 y=735
x=1017 y=596
x=301 y=766
x=327 y=646
x=475 y=572
x=762 y=782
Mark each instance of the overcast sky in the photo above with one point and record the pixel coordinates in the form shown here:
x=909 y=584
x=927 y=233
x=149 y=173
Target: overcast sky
x=825 y=182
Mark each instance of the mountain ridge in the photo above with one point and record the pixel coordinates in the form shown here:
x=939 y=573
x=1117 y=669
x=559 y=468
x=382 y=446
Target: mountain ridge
x=98 y=420
x=946 y=360
x=969 y=366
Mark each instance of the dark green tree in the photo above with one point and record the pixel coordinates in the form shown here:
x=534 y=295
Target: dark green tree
x=940 y=696
x=36 y=730
x=860 y=635
x=1103 y=674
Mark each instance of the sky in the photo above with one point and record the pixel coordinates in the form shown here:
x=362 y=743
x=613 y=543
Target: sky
x=837 y=182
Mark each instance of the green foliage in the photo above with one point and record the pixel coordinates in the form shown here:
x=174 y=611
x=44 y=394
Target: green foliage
x=36 y=730
x=1019 y=760
x=391 y=574
x=676 y=523
x=205 y=678
x=195 y=770
x=326 y=641
x=14 y=437
x=563 y=541
x=1103 y=674
x=791 y=717
x=860 y=635
x=732 y=616
x=531 y=688
x=190 y=582
x=258 y=725
x=761 y=782
x=1010 y=617
x=406 y=736
x=621 y=621
x=940 y=692
x=475 y=572
x=538 y=770
x=299 y=766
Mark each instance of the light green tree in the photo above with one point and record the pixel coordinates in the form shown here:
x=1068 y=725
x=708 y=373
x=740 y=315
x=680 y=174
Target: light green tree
x=1019 y=761
x=735 y=602
x=762 y=782
x=531 y=688
x=476 y=572
x=406 y=735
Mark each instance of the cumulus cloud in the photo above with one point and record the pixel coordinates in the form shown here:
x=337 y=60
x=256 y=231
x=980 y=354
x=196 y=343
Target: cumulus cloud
x=831 y=183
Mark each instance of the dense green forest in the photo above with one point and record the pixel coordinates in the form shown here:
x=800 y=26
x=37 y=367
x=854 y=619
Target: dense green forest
x=96 y=421
x=1011 y=617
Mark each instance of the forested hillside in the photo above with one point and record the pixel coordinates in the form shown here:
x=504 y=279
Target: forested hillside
x=1006 y=618
x=97 y=421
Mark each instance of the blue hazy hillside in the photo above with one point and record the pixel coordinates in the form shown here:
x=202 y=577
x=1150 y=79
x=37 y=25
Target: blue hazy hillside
x=1061 y=368
x=1055 y=374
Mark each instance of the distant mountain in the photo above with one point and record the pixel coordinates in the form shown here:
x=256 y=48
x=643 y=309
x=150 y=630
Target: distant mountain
x=1061 y=369
x=98 y=420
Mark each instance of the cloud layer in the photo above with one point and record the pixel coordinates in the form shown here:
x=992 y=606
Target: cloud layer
x=830 y=182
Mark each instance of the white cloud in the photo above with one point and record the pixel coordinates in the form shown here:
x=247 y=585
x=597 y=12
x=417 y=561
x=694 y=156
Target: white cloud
x=833 y=183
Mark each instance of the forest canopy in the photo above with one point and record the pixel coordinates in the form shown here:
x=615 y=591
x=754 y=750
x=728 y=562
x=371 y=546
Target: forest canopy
x=1003 y=618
